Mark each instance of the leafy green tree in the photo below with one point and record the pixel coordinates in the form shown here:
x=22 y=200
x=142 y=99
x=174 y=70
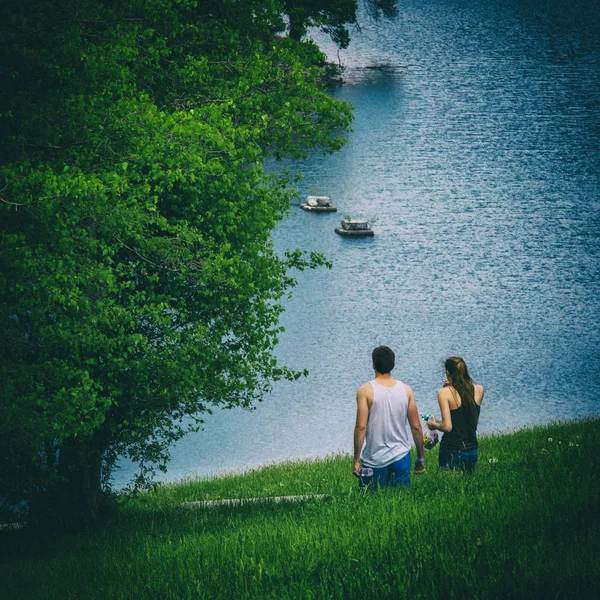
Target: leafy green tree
x=139 y=287
x=332 y=16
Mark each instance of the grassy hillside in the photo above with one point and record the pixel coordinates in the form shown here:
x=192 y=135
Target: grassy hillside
x=524 y=525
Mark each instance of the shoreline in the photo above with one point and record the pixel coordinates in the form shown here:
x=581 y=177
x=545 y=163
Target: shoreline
x=235 y=473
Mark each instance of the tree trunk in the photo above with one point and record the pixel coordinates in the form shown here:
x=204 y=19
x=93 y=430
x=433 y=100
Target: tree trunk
x=76 y=500
x=80 y=469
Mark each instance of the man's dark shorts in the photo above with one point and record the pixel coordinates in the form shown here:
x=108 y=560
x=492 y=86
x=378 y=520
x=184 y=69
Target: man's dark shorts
x=397 y=473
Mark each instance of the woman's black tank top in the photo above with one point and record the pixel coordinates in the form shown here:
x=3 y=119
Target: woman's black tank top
x=463 y=435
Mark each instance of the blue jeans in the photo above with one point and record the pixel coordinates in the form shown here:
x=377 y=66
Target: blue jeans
x=398 y=473
x=462 y=461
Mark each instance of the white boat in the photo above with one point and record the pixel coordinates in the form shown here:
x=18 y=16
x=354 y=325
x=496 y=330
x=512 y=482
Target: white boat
x=354 y=228
x=318 y=204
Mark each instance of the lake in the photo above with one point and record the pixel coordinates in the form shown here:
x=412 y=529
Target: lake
x=476 y=148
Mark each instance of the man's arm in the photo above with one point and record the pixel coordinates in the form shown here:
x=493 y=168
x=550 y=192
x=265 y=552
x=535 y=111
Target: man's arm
x=362 y=415
x=415 y=428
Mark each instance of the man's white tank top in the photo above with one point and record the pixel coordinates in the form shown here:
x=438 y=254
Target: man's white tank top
x=387 y=435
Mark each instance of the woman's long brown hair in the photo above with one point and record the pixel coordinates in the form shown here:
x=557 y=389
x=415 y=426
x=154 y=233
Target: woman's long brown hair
x=459 y=379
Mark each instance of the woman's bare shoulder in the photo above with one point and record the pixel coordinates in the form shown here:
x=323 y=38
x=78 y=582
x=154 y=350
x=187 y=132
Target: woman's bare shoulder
x=479 y=392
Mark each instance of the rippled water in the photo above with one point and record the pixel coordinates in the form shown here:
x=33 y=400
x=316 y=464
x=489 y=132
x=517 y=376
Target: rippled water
x=477 y=148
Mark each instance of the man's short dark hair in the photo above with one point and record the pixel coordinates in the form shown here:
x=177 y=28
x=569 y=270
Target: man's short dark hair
x=384 y=359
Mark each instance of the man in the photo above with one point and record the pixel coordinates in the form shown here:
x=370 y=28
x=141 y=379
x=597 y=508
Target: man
x=384 y=406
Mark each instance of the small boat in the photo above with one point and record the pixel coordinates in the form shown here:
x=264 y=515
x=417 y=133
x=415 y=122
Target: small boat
x=354 y=228
x=318 y=204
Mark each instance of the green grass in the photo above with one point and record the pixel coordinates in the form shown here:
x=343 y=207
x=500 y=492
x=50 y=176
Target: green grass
x=525 y=525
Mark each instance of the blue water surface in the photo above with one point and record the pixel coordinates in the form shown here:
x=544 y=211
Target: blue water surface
x=476 y=149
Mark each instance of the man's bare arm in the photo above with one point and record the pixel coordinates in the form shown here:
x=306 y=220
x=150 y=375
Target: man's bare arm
x=415 y=428
x=362 y=415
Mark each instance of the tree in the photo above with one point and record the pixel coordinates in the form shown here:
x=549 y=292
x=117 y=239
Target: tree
x=332 y=16
x=138 y=284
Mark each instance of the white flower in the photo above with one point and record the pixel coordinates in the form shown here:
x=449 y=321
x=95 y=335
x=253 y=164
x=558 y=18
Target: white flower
x=549 y=439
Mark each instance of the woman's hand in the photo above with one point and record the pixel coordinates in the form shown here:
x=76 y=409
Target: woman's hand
x=432 y=423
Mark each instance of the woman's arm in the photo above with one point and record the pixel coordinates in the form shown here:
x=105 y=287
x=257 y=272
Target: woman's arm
x=446 y=424
x=482 y=393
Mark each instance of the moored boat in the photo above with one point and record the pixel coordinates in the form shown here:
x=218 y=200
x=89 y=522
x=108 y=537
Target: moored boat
x=318 y=204
x=354 y=228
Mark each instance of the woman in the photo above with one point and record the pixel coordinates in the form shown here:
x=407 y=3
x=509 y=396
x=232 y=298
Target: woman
x=460 y=402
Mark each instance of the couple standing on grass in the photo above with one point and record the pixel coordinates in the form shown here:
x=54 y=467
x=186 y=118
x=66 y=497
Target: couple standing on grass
x=385 y=405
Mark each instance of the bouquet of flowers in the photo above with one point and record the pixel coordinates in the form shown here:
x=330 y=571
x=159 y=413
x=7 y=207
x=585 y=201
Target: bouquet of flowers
x=430 y=438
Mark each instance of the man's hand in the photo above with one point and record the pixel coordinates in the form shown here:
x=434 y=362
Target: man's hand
x=419 y=466
x=356 y=469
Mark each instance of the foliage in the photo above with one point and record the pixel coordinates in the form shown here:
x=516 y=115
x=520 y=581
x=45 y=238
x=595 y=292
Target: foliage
x=138 y=283
x=332 y=16
x=519 y=527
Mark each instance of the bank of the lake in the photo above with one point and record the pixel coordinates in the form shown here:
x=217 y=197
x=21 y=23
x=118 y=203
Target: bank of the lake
x=525 y=525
